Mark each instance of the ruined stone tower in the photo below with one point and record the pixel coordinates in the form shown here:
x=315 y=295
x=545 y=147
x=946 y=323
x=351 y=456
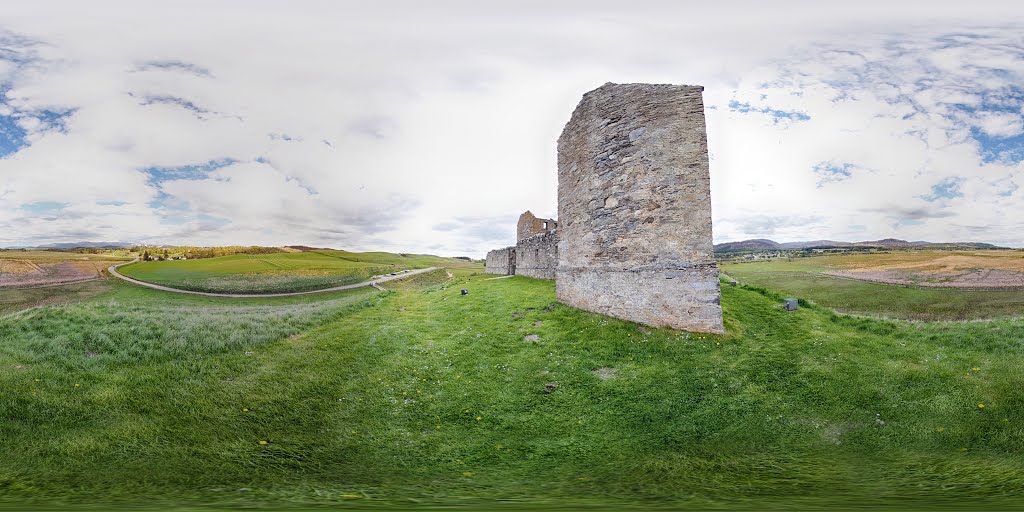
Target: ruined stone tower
x=634 y=208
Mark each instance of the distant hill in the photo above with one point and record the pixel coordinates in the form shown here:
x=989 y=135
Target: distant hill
x=304 y=248
x=761 y=244
x=85 y=245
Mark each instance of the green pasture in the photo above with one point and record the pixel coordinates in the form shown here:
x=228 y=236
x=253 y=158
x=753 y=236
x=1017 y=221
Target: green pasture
x=422 y=397
x=280 y=272
x=803 y=278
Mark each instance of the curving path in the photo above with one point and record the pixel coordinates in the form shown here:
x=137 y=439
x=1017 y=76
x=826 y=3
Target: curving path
x=374 y=283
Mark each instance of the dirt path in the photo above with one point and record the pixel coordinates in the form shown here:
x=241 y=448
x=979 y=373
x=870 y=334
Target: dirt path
x=113 y=271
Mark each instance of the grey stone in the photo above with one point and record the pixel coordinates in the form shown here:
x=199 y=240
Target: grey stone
x=501 y=261
x=634 y=208
x=537 y=256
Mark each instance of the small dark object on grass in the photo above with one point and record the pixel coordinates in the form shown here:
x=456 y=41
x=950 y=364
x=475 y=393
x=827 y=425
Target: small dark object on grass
x=550 y=387
x=518 y=315
x=732 y=283
x=465 y=291
x=791 y=305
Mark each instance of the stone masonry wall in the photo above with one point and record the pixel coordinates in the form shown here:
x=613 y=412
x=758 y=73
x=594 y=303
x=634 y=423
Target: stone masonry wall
x=530 y=225
x=501 y=261
x=537 y=256
x=634 y=208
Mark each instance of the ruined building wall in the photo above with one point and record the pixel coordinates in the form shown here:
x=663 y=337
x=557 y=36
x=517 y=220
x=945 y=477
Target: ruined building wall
x=537 y=256
x=634 y=208
x=501 y=261
x=529 y=226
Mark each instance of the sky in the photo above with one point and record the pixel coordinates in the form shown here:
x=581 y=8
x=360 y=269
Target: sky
x=428 y=127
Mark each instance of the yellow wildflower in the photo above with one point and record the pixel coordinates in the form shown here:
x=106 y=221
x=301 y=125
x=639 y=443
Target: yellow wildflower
x=478 y=418
x=262 y=442
x=981 y=406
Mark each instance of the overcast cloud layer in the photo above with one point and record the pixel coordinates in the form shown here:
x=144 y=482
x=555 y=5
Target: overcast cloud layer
x=429 y=126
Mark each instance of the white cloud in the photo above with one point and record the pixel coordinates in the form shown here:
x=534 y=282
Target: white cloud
x=368 y=126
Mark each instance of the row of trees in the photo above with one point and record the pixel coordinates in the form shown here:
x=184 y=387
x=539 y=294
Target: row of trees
x=164 y=253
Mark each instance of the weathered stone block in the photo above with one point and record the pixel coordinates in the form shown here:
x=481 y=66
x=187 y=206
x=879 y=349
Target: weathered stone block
x=530 y=225
x=634 y=208
x=537 y=256
x=501 y=261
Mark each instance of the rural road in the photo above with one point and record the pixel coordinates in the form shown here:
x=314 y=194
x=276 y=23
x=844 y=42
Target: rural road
x=113 y=271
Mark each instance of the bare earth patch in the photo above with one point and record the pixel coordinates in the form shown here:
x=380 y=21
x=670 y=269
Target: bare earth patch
x=979 y=278
x=605 y=373
x=15 y=273
x=976 y=269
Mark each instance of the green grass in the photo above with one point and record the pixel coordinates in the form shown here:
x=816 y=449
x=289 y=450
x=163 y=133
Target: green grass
x=278 y=273
x=801 y=278
x=423 y=396
x=13 y=300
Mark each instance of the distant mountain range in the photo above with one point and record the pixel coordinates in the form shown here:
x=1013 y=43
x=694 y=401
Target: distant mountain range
x=761 y=244
x=77 y=245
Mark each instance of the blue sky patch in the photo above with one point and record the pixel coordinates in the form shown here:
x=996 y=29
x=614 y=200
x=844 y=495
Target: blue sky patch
x=174 y=100
x=12 y=136
x=158 y=175
x=777 y=115
x=44 y=207
x=1002 y=150
x=176 y=65
x=948 y=188
x=830 y=172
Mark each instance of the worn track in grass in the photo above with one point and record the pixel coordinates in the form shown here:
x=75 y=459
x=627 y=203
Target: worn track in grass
x=113 y=271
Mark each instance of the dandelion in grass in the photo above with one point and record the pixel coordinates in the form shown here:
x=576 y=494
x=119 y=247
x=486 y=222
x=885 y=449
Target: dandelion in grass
x=263 y=443
x=478 y=418
x=975 y=369
x=981 y=406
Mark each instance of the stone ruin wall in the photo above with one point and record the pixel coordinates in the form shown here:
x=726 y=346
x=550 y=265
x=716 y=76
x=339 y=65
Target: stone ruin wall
x=501 y=261
x=537 y=256
x=634 y=208
x=530 y=225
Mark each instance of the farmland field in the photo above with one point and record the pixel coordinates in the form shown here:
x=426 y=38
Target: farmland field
x=39 y=268
x=278 y=273
x=916 y=285
x=422 y=396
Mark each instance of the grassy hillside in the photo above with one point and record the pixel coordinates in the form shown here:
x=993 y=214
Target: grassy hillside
x=804 y=278
x=284 y=272
x=424 y=396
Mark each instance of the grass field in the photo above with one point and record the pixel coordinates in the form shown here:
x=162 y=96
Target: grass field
x=39 y=268
x=278 y=273
x=808 y=278
x=421 y=396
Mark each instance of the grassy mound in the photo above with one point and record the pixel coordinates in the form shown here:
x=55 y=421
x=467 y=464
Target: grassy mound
x=278 y=273
x=422 y=395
